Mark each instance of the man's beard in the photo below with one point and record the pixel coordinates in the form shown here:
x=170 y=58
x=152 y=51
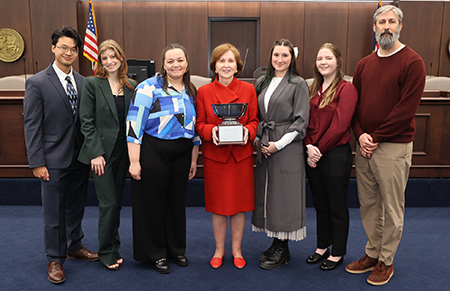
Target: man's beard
x=387 y=39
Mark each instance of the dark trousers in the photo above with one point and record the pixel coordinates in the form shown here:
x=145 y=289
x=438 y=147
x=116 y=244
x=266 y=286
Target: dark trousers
x=159 y=198
x=63 y=201
x=109 y=189
x=328 y=182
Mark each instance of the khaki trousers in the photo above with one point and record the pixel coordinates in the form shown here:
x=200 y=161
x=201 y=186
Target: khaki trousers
x=381 y=183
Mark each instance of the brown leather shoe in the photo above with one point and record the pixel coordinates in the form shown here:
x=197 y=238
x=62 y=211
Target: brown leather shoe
x=55 y=273
x=365 y=264
x=84 y=254
x=381 y=274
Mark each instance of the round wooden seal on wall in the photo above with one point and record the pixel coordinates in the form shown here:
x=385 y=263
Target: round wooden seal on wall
x=11 y=45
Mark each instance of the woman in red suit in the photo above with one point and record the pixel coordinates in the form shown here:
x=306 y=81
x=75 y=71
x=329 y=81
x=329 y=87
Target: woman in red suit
x=228 y=169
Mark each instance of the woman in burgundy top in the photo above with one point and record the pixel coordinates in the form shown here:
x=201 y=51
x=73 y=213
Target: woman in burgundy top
x=332 y=104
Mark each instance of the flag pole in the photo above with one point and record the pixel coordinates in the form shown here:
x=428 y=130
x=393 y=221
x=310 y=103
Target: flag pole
x=90 y=50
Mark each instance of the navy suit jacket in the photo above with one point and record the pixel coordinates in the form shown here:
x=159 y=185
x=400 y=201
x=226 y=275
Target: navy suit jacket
x=51 y=129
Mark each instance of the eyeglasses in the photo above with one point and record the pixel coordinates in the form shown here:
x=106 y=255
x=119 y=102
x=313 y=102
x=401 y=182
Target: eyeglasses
x=65 y=49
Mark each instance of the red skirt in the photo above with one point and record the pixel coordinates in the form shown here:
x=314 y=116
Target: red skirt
x=229 y=187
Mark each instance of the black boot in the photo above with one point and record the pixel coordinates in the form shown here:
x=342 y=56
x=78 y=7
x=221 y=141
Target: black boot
x=278 y=256
x=263 y=257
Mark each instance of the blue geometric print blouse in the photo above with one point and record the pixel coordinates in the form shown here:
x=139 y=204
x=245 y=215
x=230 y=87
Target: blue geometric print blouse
x=162 y=115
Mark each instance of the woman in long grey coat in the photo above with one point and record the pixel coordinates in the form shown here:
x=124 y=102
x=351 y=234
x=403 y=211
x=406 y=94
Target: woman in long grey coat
x=283 y=102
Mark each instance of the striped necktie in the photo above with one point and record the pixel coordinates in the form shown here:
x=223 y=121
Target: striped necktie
x=72 y=93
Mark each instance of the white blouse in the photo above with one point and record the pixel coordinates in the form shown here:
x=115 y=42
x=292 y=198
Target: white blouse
x=288 y=137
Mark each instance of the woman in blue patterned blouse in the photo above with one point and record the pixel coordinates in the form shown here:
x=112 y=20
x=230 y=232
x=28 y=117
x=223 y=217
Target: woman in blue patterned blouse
x=163 y=150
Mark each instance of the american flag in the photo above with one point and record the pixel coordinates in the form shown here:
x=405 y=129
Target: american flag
x=376 y=46
x=90 y=50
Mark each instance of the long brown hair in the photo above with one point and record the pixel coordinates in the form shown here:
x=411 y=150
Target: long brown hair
x=318 y=78
x=270 y=73
x=189 y=87
x=120 y=55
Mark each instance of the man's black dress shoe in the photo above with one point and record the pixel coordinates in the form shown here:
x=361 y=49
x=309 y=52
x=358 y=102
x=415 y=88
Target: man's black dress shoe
x=181 y=261
x=161 y=266
x=314 y=258
x=330 y=265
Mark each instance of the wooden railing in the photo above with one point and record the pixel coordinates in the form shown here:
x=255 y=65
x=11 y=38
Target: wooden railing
x=431 y=155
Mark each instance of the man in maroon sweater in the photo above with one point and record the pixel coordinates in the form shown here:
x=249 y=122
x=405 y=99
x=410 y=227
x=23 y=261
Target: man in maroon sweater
x=390 y=83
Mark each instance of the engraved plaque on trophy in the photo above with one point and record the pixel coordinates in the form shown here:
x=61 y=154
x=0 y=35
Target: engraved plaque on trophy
x=231 y=131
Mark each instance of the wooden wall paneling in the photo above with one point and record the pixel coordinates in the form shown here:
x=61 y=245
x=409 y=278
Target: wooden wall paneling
x=234 y=9
x=46 y=17
x=82 y=18
x=429 y=139
x=422 y=135
x=444 y=57
x=431 y=157
x=324 y=22
x=17 y=17
x=445 y=141
x=187 y=24
x=282 y=20
x=109 y=20
x=360 y=34
x=445 y=144
x=422 y=26
x=144 y=30
x=13 y=159
x=428 y=128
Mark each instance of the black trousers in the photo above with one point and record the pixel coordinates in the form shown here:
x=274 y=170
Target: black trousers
x=328 y=182
x=63 y=201
x=159 y=199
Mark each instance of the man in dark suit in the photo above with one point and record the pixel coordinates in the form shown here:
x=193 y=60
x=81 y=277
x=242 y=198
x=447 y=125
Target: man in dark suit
x=53 y=140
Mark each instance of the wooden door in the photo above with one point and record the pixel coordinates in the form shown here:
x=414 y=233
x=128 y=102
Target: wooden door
x=243 y=33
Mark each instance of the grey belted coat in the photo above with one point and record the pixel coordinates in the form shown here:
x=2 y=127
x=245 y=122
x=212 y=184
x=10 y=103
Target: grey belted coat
x=280 y=178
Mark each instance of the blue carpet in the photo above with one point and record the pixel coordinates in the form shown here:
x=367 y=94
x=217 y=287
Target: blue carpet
x=420 y=192
x=421 y=262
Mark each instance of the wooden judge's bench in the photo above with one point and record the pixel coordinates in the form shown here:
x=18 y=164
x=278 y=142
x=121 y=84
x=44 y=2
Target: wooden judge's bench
x=431 y=155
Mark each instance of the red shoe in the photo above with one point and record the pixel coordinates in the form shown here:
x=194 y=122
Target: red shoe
x=239 y=262
x=216 y=262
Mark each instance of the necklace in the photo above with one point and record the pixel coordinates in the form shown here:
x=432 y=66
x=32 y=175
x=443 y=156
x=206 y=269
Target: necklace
x=115 y=87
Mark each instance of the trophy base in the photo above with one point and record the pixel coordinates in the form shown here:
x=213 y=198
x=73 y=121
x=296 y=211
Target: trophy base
x=230 y=134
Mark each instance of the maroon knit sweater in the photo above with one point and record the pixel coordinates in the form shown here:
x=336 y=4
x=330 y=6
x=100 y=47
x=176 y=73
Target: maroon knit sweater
x=389 y=93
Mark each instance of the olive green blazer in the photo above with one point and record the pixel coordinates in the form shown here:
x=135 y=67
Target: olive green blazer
x=99 y=118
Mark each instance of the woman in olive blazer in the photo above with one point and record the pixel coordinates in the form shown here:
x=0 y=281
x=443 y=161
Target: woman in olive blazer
x=103 y=106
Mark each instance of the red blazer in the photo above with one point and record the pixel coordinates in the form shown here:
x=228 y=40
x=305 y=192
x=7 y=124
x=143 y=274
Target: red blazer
x=214 y=93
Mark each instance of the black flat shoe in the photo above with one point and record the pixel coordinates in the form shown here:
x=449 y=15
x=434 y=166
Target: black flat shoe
x=330 y=265
x=181 y=261
x=161 y=266
x=314 y=258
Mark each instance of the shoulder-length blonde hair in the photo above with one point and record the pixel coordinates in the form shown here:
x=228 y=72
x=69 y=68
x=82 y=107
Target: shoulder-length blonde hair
x=318 y=78
x=120 y=55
